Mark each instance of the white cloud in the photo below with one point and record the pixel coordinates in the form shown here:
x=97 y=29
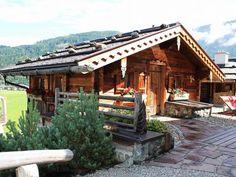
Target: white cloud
x=15 y=41
x=230 y=42
x=71 y=16
x=217 y=31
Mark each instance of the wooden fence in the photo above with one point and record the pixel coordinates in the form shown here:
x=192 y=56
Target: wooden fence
x=136 y=121
x=26 y=161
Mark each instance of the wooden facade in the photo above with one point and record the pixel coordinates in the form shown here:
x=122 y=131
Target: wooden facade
x=211 y=91
x=153 y=72
x=153 y=61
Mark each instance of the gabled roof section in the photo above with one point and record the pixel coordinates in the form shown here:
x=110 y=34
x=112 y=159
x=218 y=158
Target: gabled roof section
x=91 y=55
x=203 y=56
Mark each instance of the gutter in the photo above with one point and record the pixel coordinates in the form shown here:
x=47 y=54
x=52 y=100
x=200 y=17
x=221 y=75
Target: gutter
x=14 y=84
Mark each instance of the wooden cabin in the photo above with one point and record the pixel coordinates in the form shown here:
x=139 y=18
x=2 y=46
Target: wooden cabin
x=212 y=89
x=153 y=61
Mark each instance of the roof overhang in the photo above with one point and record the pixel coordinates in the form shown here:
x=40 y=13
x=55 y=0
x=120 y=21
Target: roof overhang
x=112 y=54
x=117 y=53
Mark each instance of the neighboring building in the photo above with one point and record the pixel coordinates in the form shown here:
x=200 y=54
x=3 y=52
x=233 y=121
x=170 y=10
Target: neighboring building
x=152 y=61
x=212 y=90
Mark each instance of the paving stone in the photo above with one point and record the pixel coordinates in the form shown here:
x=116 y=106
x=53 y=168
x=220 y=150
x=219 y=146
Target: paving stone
x=217 y=161
x=224 y=149
x=209 y=153
x=190 y=146
x=200 y=166
x=232 y=154
x=211 y=147
x=222 y=170
x=178 y=153
x=233 y=172
x=170 y=158
x=230 y=162
x=195 y=157
x=182 y=150
x=188 y=162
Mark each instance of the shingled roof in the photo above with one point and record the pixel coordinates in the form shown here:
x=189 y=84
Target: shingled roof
x=90 y=55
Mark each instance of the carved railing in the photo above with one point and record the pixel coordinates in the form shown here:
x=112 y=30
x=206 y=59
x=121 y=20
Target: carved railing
x=134 y=122
x=26 y=162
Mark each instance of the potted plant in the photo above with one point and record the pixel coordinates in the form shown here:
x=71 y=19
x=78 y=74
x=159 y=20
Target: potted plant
x=179 y=94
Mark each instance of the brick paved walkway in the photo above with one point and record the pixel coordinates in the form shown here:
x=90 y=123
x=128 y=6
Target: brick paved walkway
x=205 y=148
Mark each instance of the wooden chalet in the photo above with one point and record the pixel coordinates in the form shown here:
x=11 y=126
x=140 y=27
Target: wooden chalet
x=212 y=89
x=152 y=61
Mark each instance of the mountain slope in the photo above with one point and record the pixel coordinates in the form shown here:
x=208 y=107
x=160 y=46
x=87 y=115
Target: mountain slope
x=11 y=55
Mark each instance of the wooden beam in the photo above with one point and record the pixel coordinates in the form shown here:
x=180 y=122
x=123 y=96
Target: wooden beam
x=101 y=80
x=115 y=106
x=15 y=159
x=116 y=98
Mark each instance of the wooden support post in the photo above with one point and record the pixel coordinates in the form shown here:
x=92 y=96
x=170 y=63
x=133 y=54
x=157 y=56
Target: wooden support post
x=56 y=98
x=3 y=114
x=163 y=90
x=101 y=80
x=137 y=103
x=27 y=171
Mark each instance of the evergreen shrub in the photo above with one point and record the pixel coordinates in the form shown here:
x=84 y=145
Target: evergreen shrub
x=157 y=126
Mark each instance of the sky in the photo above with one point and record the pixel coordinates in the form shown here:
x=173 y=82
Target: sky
x=28 y=21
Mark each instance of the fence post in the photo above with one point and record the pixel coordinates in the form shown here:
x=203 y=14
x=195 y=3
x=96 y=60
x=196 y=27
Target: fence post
x=137 y=104
x=27 y=171
x=3 y=116
x=56 y=97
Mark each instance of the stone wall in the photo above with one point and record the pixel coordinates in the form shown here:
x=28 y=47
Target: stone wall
x=130 y=153
x=173 y=109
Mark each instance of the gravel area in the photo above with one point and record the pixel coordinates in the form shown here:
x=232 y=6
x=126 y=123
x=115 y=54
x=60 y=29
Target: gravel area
x=220 y=120
x=151 y=171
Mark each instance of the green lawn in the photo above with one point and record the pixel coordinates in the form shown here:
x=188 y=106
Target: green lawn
x=16 y=103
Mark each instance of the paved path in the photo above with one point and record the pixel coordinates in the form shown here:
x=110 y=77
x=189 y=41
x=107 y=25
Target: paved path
x=205 y=148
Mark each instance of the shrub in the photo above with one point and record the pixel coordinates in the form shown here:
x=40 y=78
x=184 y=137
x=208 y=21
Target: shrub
x=77 y=125
x=23 y=136
x=157 y=126
x=80 y=125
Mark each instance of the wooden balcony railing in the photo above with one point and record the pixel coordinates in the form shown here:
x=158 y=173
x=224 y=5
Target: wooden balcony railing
x=136 y=121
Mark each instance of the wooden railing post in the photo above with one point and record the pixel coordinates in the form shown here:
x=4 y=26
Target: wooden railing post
x=140 y=115
x=56 y=97
x=137 y=104
x=3 y=116
x=27 y=171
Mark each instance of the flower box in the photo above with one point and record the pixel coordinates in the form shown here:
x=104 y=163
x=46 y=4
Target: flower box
x=175 y=97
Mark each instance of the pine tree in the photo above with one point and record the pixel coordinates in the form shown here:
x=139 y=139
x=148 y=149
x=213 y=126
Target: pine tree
x=81 y=126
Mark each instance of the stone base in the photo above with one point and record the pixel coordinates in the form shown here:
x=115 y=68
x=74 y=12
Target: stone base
x=187 y=109
x=129 y=154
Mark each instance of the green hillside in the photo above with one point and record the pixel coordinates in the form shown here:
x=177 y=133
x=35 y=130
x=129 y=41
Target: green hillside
x=11 y=55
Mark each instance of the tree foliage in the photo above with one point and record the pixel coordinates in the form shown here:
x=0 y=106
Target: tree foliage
x=77 y=125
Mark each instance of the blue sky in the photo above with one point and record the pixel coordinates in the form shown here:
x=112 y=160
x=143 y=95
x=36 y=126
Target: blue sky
x=28 y=21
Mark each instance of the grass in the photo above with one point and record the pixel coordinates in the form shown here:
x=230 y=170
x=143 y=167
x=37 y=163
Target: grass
x=16 y=103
